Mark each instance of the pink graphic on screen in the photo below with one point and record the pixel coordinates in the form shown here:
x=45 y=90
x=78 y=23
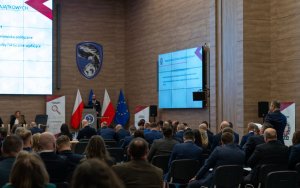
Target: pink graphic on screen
x=40 y=7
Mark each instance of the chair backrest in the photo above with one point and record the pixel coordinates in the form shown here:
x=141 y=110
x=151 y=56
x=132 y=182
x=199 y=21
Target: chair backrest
x=161 y=161
x=228 y=176
x=267 y=168
x=41 y=119
x=80 y=147
x=297 y=168
x=279 y=179
x=110 y=143
x=181 y=171
x=117 y=154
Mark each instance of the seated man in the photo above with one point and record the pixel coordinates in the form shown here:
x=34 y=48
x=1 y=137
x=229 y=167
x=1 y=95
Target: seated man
x=179 y=134
x=139 y=172
x=163 y=146
x=150 y=136
x=250 y=128
x=186 y=150
x=26 y=136
x=106 y=132
x=227 y=154
x=12 y=145
x=34 y=128
x=86 y=132
x=121 y=132
x=271 y=152
x=56 y=165
x=63 y=147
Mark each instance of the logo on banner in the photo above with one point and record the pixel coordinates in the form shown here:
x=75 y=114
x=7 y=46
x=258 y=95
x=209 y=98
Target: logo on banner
x=90 y=118
x=89 y=57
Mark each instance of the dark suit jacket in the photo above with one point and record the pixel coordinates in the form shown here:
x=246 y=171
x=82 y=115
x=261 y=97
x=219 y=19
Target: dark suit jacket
x=294 y=157
x=186 y=150
x=122 y=133
x=35 y=130
x=5 y=168
x=245 y=138
x=152 y=135
x=273 y=152
x=163 y=146
x=210 y=136
x=57 y=166
x=1 y=122
x=86 y=133
x=229 y=154
x=139 y=174
x=21 y=120
x=108 y=133
x=251 y=143
x=217 y=140
x=179 y=136
x=126 y=142
x=278 y=120
x=73 y=160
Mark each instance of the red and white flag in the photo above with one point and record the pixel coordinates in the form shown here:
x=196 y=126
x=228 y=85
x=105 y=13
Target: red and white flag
x=108 y=110
x=77 y=111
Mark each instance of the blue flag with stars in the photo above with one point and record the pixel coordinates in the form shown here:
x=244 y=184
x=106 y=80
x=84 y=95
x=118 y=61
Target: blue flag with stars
x=122 y=114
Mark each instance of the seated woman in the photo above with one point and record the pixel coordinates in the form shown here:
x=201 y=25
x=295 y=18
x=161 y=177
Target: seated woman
x=95 y=173
x=96 y=149
x=294 y=157
x=35 y=175
x=64 y=130
x=17 y=119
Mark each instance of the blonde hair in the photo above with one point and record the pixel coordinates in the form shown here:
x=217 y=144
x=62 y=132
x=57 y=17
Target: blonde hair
x=204 y=138
x=28 y=171
x=36 y=142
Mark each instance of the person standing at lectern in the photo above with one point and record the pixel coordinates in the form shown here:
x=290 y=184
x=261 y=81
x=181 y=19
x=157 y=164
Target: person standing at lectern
x=277 y=119
x=97 y=106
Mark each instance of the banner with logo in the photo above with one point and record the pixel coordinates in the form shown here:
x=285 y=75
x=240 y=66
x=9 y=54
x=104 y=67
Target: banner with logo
x=55 y=109
x=289 y=110
x=141 y=112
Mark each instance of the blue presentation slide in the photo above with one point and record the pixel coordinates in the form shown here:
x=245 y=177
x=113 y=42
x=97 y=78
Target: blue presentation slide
x=179 y=75
x=26 y=47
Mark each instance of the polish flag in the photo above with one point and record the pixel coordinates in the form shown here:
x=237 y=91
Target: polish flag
x=77 y=111
x=108 y=110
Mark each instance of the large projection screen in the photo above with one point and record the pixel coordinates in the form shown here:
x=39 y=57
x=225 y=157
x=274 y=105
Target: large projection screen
x=26 y=47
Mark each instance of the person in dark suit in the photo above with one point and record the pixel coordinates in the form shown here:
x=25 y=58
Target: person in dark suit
x=57 y=166
x=12 y=145
x=17 y=119
x=226 y=154
x=186 y=150
x=277 y=119
x=139 y=172
x=96 y=105
x=34 y=128
x=271 y=152
x=3 y=135
x=86 y=132
x=121 y=132
x=153 y=134
x=63 y=147
x=294 y=157
x=217 y=137
x=1 y=122
x=106 y=132
x=250 y=128
x=128 y=139
x=179 y=134
x=163 y=146
x=255 y=140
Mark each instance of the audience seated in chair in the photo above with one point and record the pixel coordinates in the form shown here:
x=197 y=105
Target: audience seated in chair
x=226 y=154
x=251 y=127
x=12 y=145
x=136 y=134
x=29 y=172
x=179 y=134
x=86 y=132
x=36 y=142
x=95 y=173
x=294 y=157
x=17 y=119
x=56 y=165
x=121 y=133
x=64 y=130
x=271 y=152
x=107 y=133
x=3 y=135
x=26 y=136
x=96 y=149
x=138 y=172
x=153 y=134
x=163 y=146
x=34 y=128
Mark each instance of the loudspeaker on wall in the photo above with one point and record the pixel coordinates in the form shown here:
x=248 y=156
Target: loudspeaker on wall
x=263 y=108
x=153 y=110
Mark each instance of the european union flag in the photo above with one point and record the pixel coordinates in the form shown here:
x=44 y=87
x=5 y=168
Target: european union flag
x=90 y=103
x=122 y=114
